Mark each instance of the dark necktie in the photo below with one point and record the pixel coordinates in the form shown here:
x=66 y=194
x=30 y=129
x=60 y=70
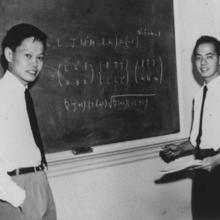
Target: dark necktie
x=34 y=125
x=198 y=139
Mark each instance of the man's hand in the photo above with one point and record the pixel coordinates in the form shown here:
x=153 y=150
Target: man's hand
x=209 y=163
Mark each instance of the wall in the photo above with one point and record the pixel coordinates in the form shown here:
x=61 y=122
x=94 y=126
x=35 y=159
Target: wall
x=120 y=185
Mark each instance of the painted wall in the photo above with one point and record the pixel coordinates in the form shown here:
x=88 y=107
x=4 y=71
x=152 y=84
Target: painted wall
x=125 y=191
x=122 y=186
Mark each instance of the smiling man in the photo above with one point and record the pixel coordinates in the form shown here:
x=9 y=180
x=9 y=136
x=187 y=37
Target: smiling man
x=24 y=190
x=204 y=140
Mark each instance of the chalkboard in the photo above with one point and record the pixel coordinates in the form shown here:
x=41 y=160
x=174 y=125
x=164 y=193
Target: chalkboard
x=110 y=69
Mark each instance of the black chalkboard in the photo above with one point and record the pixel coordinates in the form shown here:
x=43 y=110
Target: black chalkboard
x=110 y=70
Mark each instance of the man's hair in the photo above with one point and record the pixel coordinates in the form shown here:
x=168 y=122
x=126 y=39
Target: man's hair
x=207 y=39
x=15 y=36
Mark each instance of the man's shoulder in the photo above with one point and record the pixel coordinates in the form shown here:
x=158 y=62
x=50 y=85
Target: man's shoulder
x=3 y=85
x=5 y=89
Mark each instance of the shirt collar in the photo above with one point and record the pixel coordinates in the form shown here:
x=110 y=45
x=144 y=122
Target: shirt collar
x=213 y=83
x=14 y=82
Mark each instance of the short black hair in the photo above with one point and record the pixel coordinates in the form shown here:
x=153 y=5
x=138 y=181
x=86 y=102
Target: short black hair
x=207 y=39
x=15 y=36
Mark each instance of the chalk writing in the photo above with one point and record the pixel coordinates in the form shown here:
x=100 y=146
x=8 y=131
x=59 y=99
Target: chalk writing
x=82 y=72
x=122 y=101
x=149 y=70
x=113 y=73
x=116 y=41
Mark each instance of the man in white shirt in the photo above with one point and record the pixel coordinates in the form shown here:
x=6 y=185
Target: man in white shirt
x=24 y=190
x=204 y=141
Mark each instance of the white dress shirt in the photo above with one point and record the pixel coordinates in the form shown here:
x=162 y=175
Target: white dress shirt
x=211 y=116
x=17 y=145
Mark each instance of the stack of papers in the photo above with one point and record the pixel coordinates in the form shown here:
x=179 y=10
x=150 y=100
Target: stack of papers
x=180 y=164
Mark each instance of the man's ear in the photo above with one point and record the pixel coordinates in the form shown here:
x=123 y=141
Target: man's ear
x=8 y=54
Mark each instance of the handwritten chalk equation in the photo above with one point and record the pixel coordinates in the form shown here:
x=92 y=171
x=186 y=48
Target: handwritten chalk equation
x=116 y=40
x=120 y=101
x=81 y=72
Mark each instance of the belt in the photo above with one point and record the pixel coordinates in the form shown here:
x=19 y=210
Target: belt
x=26 y=170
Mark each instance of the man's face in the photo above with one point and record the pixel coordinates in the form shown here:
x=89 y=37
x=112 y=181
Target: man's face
x=207 y=61
x=26 y=61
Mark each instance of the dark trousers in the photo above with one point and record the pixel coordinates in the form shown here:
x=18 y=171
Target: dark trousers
x=206 y=192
